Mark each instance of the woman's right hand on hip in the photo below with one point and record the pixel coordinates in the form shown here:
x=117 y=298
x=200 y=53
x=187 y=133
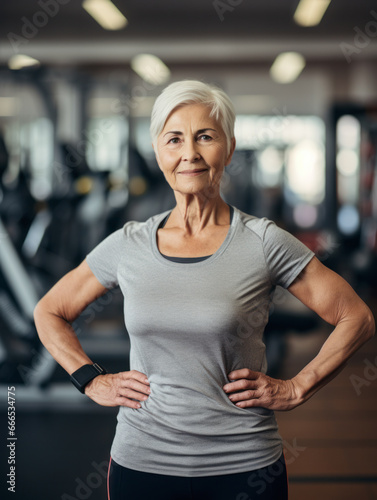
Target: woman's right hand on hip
x=119 y=389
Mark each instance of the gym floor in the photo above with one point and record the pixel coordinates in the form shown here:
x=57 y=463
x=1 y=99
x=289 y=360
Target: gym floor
x=63 y=438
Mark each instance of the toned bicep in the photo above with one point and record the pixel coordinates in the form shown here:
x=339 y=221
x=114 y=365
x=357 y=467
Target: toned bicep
x=327 y=293
x=72 y=293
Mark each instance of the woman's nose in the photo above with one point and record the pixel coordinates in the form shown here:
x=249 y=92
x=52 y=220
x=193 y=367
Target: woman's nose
x=190 y=151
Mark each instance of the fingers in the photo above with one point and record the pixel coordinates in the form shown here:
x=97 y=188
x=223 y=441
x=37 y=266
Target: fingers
x=253 y=403
x=258 y=389
x=134 y=374
x=131 y=387
x=123 y=401
x=134 y=381
x=248 y=380
x=120 y=389
x=241 y=386
x=130 y=394
x=243 y=373
x=243 y=390
x=243 y=396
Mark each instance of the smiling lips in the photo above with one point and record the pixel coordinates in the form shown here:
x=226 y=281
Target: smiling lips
x=193 y=173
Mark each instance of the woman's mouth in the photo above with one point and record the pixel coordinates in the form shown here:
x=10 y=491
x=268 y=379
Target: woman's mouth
x=192 y=172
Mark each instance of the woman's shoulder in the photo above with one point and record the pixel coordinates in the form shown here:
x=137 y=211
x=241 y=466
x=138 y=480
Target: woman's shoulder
x=258 y=225
x=131 y=227
x=130 y=235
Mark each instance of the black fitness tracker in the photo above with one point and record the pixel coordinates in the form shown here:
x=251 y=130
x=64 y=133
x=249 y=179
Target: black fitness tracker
x=81 y=377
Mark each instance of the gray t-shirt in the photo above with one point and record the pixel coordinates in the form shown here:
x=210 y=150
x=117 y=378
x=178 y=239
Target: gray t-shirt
x=190 y=325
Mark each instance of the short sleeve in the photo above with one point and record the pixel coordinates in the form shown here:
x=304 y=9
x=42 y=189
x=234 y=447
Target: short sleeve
x=285 y=255
x=103 y=260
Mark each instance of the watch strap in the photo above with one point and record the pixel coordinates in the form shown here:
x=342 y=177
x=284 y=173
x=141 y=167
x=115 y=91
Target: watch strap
x=81 y=377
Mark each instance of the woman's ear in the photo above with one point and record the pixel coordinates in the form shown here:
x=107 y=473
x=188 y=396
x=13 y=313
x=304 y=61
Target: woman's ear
x=232 y=148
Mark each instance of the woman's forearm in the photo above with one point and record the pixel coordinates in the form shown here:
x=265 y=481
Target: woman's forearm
x=59 y=308
x=254 y=389
x=60 y=339
x=54 y=316
x=348 y=336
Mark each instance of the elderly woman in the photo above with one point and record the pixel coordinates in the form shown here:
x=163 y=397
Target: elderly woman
x=196 y=417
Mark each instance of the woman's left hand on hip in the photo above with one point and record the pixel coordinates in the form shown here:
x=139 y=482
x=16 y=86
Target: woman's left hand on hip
x=249 y=388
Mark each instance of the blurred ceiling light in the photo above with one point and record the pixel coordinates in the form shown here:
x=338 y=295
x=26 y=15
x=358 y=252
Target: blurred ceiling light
x=310 y=12
x=287 y=67
x=8 y=106
x=348 y=132
x=150 y=68
x=348 y=219
x=20 y=61
x=347 y=162
x=105 y=13
x=305 y=215
x=305 y=172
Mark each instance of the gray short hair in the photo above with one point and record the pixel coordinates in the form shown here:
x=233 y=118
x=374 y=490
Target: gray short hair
x=193 y=92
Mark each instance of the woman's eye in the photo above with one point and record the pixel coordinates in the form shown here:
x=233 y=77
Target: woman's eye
x=174 y=140
x=205 y=137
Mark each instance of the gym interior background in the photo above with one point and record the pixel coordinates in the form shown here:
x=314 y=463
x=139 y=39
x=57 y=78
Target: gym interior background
x=76 y=163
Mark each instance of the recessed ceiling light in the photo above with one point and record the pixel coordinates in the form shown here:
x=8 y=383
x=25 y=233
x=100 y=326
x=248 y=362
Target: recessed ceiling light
x=20 y=61
x=287 y=67
x=105 y=13
x=150 y=68
x=310 y=12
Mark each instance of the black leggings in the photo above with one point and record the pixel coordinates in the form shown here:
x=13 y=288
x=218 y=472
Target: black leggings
x=268 y=483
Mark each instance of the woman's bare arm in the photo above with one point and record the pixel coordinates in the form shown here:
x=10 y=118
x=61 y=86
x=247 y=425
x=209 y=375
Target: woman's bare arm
x=59 y=308
x=53 y=316
x=333 y=299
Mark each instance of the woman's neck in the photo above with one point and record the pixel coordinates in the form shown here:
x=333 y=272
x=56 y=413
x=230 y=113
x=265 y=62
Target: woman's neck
x=194 y=213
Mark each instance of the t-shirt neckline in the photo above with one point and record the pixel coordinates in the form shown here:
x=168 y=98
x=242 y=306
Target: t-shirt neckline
x=192 y=265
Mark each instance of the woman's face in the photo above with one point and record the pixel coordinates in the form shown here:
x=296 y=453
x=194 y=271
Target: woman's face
x=192 y=150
